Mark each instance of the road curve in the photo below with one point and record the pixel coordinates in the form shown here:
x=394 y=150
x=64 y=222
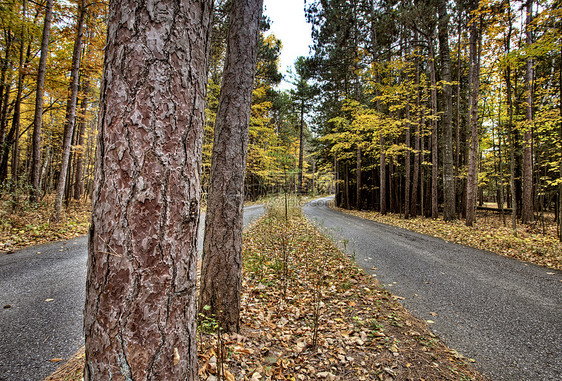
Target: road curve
x=42 y=292
x=505 y=314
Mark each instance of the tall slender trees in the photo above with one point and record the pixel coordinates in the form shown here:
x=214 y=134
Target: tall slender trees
x=70 y=109
x=37 y=123
x=448 y=169
x=140 y=313
x=221 y=278
x=474 y=78
x=527 y=208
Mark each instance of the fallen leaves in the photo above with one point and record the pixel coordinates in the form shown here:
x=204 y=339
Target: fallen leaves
x=359 y=332
x=31 y=226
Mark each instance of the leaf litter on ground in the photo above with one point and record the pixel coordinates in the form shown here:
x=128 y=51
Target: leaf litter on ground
x=309 y=313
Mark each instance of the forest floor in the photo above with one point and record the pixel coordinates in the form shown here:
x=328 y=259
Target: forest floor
x=536 y=243
x=23 y=225
x=309 y=313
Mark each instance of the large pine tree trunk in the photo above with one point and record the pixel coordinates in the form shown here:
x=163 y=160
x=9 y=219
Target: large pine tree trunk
x=140 y=313
x=70 y=111
x=527 y=209
x=471 y=183
x=36 y=148
x=448 y=169
x=221 y=269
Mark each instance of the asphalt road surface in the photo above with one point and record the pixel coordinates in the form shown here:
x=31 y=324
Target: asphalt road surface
x=505 y=314
x=42 y=291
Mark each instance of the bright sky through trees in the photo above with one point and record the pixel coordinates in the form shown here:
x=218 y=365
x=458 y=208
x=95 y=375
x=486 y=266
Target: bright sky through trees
x=288 y=24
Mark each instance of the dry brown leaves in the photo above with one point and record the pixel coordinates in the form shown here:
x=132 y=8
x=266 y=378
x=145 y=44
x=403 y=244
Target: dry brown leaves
x=28 y=226
x=333 y=322
x=488 y=233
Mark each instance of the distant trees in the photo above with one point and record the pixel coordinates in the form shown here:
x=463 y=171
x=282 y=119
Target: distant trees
x=221 y=268
x=389 y=73
x=140 y=314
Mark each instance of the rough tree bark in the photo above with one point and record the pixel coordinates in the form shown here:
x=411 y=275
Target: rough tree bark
x=140 y=312
x=527 y=215
x=221 y=269
x=70 y=110
x=36 y=148
x=448 y=169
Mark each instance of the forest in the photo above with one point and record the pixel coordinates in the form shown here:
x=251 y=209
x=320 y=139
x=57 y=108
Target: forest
x=418 y=108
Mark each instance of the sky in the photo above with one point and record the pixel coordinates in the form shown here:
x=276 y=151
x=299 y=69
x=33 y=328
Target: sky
x=289 y=25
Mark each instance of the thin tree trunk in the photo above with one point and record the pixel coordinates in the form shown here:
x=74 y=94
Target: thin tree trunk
x=458 y=126
x=382 y=173
x=5 y=86
x=36 y=149
x=140 y=312
x=472 y=178
x=70 y=110
x=527 y=210
x=359 y=200
x=79 y=179
x=415 y=187
x=434 y=153
x=346 y=179
x=407 y=183
x=221 y=269
x=13 y=135
x=448 y=169
x=301 y=148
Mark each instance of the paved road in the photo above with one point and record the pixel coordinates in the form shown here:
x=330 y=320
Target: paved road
x=42 y=291
x=505 y=314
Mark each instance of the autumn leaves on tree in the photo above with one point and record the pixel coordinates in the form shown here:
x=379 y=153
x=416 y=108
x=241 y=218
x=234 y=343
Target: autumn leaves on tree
x=454 y=105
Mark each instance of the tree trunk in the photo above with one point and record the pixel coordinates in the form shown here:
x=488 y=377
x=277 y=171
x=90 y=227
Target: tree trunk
x=448 y=169
x=221 y=269
x=359 y=200
x=434 y=154
x=408 y=162
x=79 y=173
x=417 y=134
x=527 y=210
x=70 y=110
x=301 y=148
x=36 y=149
x=472 y=178
x=140 y=312
x=13 y=135
x=382 y=174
